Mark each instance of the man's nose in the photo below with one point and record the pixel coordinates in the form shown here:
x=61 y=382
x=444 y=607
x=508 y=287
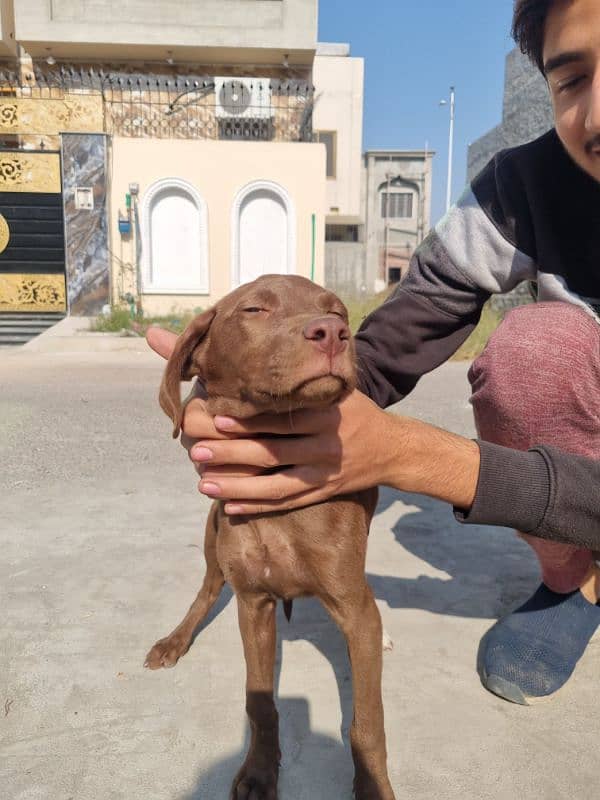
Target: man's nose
x=328 y=334
x=592 y=122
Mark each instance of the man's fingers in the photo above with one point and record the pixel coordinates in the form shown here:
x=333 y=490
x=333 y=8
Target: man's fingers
x=294 y=423
x=279 y=486
x=161 y=341
x=267 y=453
x=212 y=473
x=198 y=424
x=249 y=507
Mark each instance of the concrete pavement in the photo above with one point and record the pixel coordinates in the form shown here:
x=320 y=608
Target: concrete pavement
x=100 y=537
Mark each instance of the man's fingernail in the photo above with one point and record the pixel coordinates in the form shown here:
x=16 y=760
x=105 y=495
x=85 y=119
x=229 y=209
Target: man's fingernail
x=231 y=508
x=224 y=422
x=210 y=489
x=201 y=454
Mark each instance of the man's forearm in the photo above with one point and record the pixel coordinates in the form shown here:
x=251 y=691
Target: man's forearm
x=427 y=460
x=543 y=491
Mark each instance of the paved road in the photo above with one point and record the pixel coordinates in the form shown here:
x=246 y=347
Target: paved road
x=100 y=536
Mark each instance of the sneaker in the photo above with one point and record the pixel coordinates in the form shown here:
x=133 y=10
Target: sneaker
x=530 y=654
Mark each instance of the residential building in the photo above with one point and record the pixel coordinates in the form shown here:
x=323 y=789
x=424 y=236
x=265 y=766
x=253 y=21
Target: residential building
x=163 y=152
x=397 y=205
x=337 y=119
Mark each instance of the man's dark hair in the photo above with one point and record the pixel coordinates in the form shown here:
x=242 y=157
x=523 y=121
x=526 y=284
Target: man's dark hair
x=529 y=19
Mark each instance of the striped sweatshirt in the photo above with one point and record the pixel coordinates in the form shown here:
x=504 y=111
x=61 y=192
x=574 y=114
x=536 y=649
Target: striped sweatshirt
x=531 y=215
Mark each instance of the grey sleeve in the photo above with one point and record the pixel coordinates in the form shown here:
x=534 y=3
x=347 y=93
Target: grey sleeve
x=542 y=491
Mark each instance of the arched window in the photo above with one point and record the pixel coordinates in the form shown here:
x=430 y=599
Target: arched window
x=264 y=232
x=174 y=239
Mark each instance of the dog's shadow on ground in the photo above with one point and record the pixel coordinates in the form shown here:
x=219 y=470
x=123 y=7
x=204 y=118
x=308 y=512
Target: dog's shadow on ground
x=485 y=572
x=314 y=766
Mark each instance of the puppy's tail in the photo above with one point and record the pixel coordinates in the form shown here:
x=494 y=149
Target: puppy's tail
x=287 y=609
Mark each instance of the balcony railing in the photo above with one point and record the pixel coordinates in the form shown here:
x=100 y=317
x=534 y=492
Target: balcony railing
x=182 y=107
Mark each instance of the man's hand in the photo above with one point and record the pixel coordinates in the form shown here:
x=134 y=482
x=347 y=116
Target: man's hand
x=308 y=456
x=316 y=454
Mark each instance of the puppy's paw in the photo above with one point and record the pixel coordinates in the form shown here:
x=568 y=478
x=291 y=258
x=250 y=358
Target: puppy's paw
x=255 y=783
x=387 y=642
x=166 y=653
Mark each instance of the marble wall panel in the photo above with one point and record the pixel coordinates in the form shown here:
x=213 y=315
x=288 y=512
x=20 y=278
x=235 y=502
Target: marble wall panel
x=86 y=230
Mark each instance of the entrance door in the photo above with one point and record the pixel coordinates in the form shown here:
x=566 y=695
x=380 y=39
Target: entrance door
x=32 y=247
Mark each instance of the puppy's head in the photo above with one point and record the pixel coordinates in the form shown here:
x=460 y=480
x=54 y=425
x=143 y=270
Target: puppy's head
x=274 y=345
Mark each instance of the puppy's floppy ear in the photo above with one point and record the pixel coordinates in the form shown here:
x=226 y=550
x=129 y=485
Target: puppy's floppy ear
x=179 y=365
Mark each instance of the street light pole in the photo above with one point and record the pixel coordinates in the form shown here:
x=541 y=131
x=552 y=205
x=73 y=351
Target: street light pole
x=450 y=146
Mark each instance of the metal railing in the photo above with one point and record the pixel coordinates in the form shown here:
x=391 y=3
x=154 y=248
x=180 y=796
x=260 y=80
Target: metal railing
x=181 y=106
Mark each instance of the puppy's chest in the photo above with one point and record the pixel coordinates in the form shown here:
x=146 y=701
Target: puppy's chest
x=263 y=556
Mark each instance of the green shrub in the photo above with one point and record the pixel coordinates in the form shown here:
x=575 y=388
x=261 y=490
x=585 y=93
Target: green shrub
x=120 y=319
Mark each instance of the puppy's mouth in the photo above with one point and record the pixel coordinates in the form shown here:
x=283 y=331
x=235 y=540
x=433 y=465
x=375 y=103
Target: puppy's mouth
x=316 y=390
x=322 y=383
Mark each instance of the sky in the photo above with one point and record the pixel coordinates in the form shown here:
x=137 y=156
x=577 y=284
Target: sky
x=414 y=50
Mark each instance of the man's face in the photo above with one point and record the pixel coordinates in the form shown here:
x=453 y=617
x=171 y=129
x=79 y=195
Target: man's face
x=572 y=67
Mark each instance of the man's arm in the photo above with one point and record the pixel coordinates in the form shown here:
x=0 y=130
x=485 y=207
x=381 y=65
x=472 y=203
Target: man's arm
x=543 y=491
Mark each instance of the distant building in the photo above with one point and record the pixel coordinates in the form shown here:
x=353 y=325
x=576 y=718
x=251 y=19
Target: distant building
x=526 y=113
x=337 y=121
x=364 y=258
x=397 y=204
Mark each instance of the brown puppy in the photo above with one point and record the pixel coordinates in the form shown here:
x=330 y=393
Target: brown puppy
x=277 y=345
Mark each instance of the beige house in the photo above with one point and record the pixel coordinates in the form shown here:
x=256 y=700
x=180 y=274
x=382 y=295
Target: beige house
x=230 y=33
x=337 y=122
x=212 y=215
x=184 y=144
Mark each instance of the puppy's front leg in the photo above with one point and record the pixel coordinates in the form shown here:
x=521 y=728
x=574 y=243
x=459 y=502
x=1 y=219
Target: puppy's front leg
x=360 y=621
x=166 y=652
x=257 y=778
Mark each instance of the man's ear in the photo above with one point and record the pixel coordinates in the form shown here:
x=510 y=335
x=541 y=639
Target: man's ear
x=179 y=365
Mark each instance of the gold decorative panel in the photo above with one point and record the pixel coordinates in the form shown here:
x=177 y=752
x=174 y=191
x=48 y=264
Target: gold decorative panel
x=75 y=113
x=29 y=172
x=4 y=234
x=32 y=293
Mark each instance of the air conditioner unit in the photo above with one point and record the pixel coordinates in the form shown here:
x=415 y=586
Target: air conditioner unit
x=243 y=98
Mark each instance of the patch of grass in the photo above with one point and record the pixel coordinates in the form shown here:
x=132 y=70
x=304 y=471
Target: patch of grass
x=490 y=319
x=120 y=320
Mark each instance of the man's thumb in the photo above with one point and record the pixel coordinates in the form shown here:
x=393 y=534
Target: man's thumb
x=161 y=341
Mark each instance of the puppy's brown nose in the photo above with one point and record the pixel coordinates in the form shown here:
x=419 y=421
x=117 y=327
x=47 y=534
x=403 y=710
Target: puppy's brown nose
x=329 y=334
